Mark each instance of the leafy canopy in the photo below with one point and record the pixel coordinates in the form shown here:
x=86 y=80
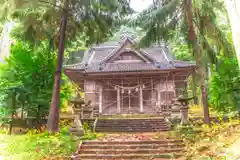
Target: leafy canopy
x=167 y=21
x=93 y=20
x=30 y=72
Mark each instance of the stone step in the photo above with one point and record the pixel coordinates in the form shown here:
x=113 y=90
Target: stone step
x=150 y=119
x=126 y=124
x=131 y=151
x=125 y=156
x=132 y=146
x=131 y=130
x=132 y=125
x=123 y=125
x=122 y=150
x=131 y=120
x=165 y=141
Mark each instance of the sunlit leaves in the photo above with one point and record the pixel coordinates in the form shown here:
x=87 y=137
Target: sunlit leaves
x=225 y=90
x=30 y=73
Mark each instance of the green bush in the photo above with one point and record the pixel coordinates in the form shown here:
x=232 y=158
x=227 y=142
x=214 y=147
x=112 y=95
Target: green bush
x=225 y=86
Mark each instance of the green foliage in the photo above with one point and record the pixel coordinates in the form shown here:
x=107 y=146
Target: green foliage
x=39 y=146
x=30 y=71
x=224 y=88
x=86 y=127
x=89 y=136
x=88 y=133
x=92 y=21
x=167 y=21
x=181 y=51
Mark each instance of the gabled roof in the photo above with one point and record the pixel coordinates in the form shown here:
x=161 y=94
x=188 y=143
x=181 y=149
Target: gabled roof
x=96 y=59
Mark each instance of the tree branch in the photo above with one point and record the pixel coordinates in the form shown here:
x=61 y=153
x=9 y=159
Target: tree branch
x=49 y=3
x=52 y=4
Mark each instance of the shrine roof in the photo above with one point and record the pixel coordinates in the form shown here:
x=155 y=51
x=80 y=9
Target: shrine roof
x=99 y=58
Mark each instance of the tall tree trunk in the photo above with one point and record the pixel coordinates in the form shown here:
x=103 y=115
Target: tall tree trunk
x=38 y=117
x=22 y=111
x=194 y=88
x=197 y=53
x=13 y=111
x=53 y=119
x=233 y=9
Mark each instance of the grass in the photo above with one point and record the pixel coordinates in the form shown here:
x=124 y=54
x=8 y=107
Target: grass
x=34 y=146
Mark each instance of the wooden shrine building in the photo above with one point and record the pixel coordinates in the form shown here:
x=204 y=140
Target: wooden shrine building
x=119 y=78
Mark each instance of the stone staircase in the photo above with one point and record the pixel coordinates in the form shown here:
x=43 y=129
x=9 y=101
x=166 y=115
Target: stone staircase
x=141 y=150
x=132 y=125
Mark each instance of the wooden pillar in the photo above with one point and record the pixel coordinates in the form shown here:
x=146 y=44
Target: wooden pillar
x=100 y=98
x=174 y=86
x=141 y=99
x=118 y=101
x=159 y=95
x=152 y=93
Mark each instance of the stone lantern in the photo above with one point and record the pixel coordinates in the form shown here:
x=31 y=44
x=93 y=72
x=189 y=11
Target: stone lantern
x=78 y=103
x=180 y=104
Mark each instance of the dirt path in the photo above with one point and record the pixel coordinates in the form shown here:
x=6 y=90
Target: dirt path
x=233 y=151
x=3 y=145
x=2 y=148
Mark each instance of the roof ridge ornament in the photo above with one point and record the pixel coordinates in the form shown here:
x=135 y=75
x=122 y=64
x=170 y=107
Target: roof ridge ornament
x=127 y=34
x=100 y=66
x=86 y=65
x=157 y=64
